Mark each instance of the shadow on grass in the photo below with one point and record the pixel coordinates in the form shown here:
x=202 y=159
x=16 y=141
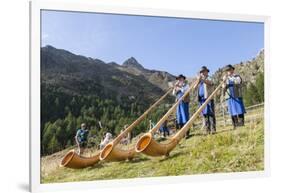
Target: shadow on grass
x=204 y=134
x=170 y=156
x=96 y=166
x=138 y=159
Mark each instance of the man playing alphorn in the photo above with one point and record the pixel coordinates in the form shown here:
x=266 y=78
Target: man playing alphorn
x=205 y=87
x=233 y=94
x=182 y=112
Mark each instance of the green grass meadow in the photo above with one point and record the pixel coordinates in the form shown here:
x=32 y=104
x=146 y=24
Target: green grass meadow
x=228 y=150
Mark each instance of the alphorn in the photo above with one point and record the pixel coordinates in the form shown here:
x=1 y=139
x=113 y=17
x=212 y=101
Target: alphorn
x=171 y=110
x=73 y=160
x=147 y=145
x=112 y=153
x=109 y=152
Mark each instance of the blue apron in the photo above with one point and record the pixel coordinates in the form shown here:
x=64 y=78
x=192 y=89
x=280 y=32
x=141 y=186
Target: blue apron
x=235 y=105
x=209 y=109
x=182 y=110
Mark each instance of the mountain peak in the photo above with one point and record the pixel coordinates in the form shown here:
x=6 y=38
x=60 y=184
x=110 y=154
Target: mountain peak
x=132 y=62
x=50 y=48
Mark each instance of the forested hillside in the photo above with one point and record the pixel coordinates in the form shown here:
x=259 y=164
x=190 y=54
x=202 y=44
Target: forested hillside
x=76 y=89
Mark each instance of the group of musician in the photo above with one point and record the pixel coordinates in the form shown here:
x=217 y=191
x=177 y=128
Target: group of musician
x=204 y=86
x=232 y=91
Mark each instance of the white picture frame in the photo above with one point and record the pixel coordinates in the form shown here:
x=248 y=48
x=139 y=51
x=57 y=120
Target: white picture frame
x=35 y=23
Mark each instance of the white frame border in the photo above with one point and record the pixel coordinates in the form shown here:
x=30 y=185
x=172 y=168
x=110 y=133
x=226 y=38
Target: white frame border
x=35 y=43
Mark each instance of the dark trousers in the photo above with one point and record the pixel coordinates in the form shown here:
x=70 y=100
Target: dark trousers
x=238 y=120
x=210 y=123
x=165 y=131
x=209 y=116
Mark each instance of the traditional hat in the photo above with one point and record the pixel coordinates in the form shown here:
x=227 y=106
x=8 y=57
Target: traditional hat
x=229 y=67
x=181 y=76
x=204 y=68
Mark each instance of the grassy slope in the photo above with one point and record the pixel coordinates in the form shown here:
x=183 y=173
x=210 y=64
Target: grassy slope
x=227 y=151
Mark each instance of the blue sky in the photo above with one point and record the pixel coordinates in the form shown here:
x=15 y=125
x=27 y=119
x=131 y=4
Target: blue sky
x=170 y=44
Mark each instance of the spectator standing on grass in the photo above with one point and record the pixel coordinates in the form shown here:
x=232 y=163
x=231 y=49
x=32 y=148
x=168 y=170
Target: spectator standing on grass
x=164 y=130
x=81 y=138
x=233 y=94
x=205 y=87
